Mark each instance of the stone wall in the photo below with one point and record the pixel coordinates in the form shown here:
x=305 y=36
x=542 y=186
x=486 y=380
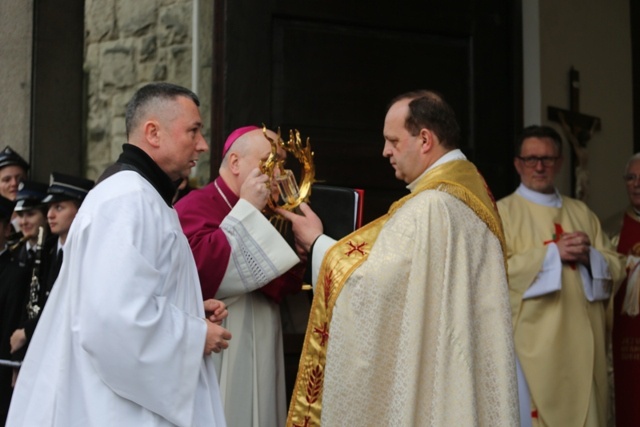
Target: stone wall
x=129 y=44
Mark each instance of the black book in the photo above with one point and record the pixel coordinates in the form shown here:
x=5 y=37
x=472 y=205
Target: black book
x=339 y=208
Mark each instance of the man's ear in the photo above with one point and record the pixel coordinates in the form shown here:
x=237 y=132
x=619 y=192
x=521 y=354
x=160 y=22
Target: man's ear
x=234 y=163
x=151 y=130
x=428 y=140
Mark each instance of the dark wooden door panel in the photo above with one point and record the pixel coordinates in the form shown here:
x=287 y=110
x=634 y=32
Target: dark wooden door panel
x=329 y=69
x=333 y=82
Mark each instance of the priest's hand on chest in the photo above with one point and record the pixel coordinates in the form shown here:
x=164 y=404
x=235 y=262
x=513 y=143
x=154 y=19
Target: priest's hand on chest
x=574 y=247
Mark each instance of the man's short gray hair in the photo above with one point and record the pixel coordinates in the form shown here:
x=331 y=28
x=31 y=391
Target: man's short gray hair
x=147 y=95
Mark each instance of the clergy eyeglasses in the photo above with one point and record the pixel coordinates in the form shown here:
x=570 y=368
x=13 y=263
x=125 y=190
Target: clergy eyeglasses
x=532 y=161
x=631 y=177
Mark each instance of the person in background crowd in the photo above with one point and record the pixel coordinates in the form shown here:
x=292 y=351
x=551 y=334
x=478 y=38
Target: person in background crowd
x=14 y=284
x=32 y=214
x=626 y=323
x=13 y=170
x=64 y=197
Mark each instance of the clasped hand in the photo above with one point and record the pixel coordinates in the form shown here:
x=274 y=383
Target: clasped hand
x=574 y=247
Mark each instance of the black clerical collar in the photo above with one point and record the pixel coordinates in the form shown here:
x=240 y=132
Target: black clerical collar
x=143 y=164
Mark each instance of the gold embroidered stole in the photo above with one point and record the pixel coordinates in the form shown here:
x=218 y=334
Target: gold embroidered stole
x=459 y=178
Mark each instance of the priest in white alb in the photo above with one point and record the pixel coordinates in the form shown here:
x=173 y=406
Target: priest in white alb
x=124 y=337
x=410 y=321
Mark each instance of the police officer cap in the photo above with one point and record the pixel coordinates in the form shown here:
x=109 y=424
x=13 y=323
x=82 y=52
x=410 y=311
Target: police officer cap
x=6 y=207
x=66 y=187
x=9 y=157
x=30 y=195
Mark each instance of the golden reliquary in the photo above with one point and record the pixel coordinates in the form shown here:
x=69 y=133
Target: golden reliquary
x=291 y=192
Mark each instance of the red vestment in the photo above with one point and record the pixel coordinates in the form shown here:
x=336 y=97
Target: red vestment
x=626 y=338
x=201 y=212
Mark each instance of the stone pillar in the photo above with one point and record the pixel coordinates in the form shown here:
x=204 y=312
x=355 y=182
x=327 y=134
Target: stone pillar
x=204 y=84
x=16 y=27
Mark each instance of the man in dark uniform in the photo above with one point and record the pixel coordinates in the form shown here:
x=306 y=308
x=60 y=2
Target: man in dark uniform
x=14 y=284
x=64 y=197
x=32 y=214
x=13 y=170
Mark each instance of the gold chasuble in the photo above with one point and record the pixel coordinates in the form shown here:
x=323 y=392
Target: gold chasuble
x=410 y=321
x=560 y=337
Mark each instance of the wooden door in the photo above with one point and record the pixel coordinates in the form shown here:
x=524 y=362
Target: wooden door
x=329 y=68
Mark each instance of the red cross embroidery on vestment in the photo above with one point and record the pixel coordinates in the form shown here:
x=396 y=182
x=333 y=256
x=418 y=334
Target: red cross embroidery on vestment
x=355 y=248
x=306 y=422
x=323 y=332
x=486 y=187
x=556 y=237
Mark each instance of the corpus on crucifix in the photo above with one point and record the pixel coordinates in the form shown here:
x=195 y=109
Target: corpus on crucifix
x=578 y=129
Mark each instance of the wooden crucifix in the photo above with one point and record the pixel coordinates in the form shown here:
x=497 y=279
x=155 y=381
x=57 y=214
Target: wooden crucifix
x=578 y=129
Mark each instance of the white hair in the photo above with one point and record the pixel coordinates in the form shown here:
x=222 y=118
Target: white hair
x=632 y=159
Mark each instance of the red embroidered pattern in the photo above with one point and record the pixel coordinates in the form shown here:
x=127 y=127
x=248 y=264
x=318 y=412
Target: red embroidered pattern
x=355 y=248
x=324 y=334
x=314 y=385
x=328 y=281
x=556 y=236
x=306 y=422
x=486 y=187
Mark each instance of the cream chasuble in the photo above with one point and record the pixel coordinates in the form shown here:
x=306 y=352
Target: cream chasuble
x=410 y=322
x=559 y=336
